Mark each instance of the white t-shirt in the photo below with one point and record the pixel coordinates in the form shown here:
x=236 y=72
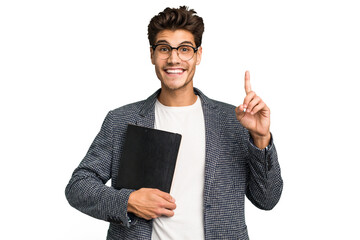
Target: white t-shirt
x=188 y=181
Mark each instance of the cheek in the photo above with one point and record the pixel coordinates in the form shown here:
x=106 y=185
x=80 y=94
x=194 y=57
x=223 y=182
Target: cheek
x=157 y=65
x=158 y=71
x=192 y=66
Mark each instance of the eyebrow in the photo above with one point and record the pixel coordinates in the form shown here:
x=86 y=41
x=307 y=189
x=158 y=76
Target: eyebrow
x=166 y=42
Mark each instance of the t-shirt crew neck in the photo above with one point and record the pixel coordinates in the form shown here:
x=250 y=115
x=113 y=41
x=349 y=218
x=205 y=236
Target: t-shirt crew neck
x=195 y=105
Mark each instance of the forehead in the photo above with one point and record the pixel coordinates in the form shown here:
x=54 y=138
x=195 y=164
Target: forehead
x=175 y=37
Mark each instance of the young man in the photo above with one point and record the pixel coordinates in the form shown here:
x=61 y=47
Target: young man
x=226 y=152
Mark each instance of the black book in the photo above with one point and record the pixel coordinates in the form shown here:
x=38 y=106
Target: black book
x=148 y=159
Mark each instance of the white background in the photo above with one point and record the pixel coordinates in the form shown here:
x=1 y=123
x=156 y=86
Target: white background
x=65 y=64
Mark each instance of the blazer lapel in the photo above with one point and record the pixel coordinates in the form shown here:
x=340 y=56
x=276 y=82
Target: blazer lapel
x=147 y=112
x=212 y=119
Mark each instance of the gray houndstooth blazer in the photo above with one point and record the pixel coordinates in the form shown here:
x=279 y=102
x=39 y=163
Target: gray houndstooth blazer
x=234 y=168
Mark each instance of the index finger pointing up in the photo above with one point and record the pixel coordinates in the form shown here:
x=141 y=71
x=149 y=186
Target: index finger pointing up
x=247 y=82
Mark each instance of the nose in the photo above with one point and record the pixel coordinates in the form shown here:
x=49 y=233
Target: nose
x=174 y=57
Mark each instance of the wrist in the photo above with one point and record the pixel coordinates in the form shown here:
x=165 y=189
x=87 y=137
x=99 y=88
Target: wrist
x=261 y=141
x=130 y=207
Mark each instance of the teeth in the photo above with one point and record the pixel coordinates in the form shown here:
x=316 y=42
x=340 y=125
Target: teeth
x=174 y=71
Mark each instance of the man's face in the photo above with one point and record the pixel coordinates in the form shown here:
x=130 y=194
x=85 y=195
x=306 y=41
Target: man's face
x=173 y=72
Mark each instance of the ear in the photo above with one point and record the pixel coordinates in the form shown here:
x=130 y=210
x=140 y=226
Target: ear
x=152 y=56
x=198 y=55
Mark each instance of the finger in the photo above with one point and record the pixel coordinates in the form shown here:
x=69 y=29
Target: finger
x=167 y=213
x=165 y=196
x=168 y=205
x=248 y=99
x=258 y=107
x=255 y=101
x=247 y=82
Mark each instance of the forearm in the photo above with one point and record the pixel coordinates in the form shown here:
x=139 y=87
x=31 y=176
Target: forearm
x=90 y=195
x=264 y=181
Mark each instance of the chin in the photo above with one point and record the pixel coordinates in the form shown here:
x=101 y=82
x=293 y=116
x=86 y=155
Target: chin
x=175 y=86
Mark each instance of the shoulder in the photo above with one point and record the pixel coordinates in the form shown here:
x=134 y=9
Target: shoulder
x=215 y=104
x=123 y=115
x=223 y=107
x=134 y=109
x=117 y=119
x=131 y=108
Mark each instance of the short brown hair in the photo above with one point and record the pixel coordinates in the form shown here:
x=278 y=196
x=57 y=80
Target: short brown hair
x=176 y=18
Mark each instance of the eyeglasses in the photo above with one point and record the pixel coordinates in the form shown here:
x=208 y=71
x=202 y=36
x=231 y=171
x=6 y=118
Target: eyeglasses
x=184 y=52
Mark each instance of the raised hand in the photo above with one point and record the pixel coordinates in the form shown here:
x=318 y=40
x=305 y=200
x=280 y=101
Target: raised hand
x=149 y=203
x=254 y=115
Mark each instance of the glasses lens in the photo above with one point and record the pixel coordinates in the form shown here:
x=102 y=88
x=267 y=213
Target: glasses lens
x=163 y=51
x=185 y=52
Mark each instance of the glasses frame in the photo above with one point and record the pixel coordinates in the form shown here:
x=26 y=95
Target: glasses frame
x=177 y=50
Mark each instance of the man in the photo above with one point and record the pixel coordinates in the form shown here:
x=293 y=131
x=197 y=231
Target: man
x=226 y=152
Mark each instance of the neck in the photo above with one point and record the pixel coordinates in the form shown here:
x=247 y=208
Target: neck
x=177 y=98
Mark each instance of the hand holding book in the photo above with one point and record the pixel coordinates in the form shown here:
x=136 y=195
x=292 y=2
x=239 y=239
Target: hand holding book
x=150 y=203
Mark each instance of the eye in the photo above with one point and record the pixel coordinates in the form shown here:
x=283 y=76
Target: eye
x=163 y=48
x=185 y=49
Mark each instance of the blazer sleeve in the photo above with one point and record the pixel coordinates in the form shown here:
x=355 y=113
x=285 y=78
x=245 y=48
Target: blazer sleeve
x=264 y=185
x=86 y=190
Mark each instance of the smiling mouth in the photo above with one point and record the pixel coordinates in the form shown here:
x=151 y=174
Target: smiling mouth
x=174 y=71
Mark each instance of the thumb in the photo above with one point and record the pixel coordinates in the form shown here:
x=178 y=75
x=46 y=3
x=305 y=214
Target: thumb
x=240 y=110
